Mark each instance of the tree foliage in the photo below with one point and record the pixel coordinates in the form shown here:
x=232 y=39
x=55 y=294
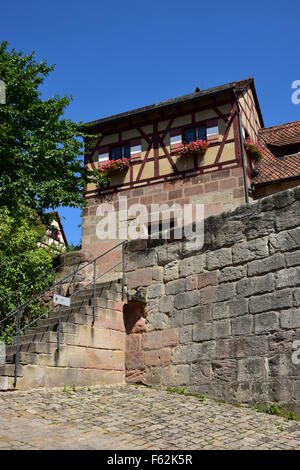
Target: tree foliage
x=25 y=263
x=40 y=150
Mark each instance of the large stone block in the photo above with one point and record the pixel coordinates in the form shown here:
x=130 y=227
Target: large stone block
x=233 y=308
x=186 y=300
x=274 y=301
x=160 y=357
x=296 y=296
x=224 y=370
x=203 y=332
x=156 y=290
x=104 y=359
x=252 y=368
x=141 y=277
x=225 y=292
x=285 y=241
x=266 y=322
x=218 y=259
x=222 y=329
x=255 y=285
x=166 y=304
x=196 y=314
x=160 y=321
x=170 y=337
x=152 y=340
x=185 y=334
x=175 y=287
x=201 y=372
x=208 y=279
x=176 y=375
x=185 y=354
x=290 y=318
x=253 y=249
x=288 y=278
x=145 y=259
x=242 y=325
x=208 y=295
x=232 y=274
x=292 y=259
x=76 y=356
x=273 y=263
x=287 y=219
x=171 y=271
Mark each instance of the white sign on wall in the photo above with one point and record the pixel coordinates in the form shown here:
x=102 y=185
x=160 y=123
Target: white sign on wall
x=60 y=300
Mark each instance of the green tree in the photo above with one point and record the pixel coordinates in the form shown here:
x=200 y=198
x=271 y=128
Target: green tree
x=40 y=150
x=40 y=168
x=25 y=263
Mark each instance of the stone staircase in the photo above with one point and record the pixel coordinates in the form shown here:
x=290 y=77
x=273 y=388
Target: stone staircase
x=88 y=354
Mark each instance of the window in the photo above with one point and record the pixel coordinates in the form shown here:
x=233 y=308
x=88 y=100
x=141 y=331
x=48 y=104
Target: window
x=175 y=139
x=282 y=151
x=197 y=133
x=118 y=153
x=102 y=157
x=212 y=131
x=135 y=149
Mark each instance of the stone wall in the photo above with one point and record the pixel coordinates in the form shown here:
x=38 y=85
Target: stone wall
x=222 y=319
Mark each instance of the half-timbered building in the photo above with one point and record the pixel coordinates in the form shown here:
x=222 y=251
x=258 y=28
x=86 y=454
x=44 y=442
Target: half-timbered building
x=149 y=137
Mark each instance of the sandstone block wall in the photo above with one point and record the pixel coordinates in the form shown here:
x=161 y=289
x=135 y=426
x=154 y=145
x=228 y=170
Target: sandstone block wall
x=222 y=319
x=218 y=190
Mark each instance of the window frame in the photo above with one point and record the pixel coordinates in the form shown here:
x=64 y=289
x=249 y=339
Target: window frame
x=194 y=129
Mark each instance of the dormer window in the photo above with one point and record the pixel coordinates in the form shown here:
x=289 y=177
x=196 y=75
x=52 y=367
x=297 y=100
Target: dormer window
x=283 y=151
x=194 y=133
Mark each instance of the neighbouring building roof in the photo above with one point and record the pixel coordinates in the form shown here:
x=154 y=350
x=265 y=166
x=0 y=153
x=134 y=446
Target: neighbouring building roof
x=197 y=95
x=281 y=146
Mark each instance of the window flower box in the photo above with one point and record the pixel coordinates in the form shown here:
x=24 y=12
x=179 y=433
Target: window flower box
x=111 y=166
x=197 y=147
x=102 y=176
x=254 y=151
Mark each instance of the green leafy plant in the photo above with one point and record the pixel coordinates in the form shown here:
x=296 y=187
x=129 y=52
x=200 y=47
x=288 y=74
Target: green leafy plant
x=25 y=266
x=273 y=410
x=291 y=416
x=40 y=150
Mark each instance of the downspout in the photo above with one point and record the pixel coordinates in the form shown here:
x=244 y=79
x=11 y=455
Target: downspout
x=242 y=149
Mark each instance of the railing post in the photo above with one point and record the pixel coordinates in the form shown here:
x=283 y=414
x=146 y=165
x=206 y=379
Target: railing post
x=94 y=293
x=59 y=319
x=53 y=282
x=17 y=346
x=74 y=272
x=123 y=269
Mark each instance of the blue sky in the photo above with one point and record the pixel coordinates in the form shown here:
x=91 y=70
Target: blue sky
x=116 y=55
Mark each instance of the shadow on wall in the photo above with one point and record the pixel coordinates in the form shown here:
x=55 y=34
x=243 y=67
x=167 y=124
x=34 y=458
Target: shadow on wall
x=135 y=326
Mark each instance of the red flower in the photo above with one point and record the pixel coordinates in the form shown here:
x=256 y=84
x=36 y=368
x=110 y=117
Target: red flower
x=254 y=150
x=198 y=147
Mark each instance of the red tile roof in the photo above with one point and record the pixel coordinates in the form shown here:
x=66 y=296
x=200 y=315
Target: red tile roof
x=272 y=139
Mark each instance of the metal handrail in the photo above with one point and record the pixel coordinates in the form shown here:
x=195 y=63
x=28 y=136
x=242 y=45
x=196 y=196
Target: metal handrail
x=60 y=283
x=37 y=297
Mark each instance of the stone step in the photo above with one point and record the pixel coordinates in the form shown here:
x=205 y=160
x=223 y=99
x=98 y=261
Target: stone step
x=38 y=347
x=24 y=358
x=9 y=370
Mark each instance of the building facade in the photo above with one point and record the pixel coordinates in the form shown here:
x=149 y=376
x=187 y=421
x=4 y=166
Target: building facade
x=149 y=137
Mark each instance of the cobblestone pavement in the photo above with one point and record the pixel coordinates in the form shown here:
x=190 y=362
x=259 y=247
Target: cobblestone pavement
x=130 y=417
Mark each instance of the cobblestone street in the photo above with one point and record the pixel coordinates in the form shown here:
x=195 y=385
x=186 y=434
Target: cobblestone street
x=130 y=417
